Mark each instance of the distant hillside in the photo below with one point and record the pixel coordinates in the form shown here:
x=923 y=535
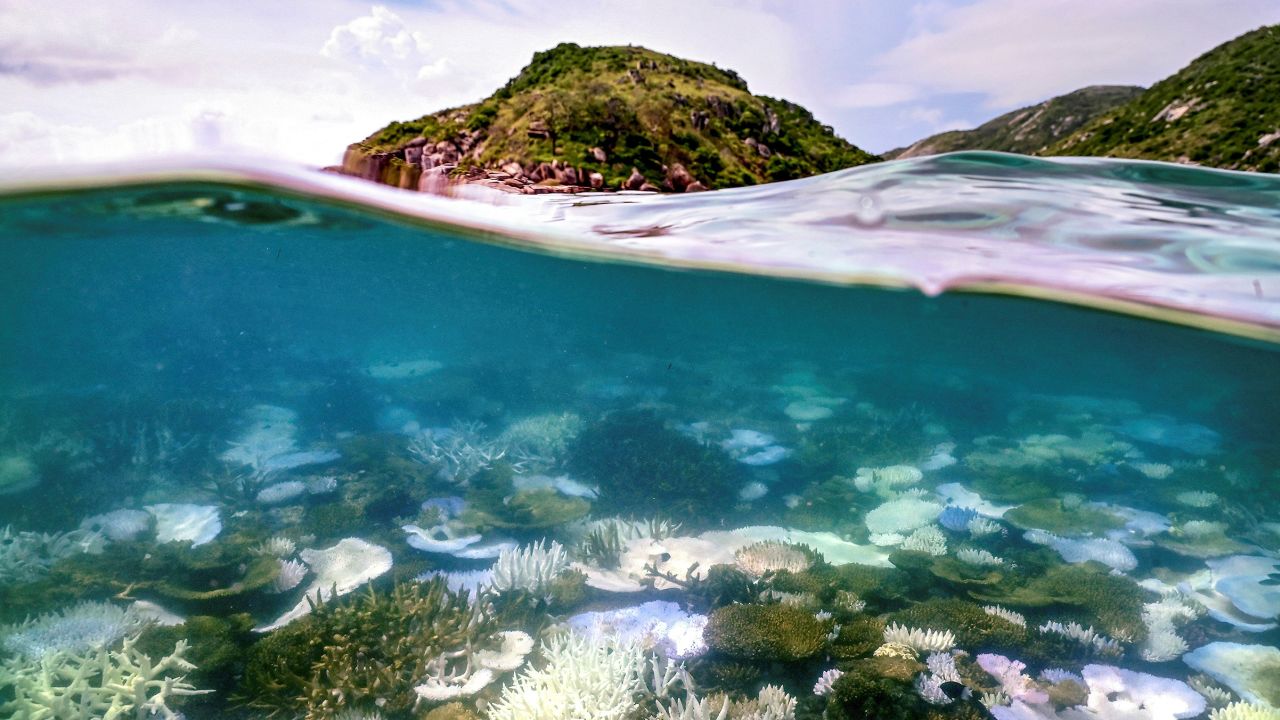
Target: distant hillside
x=1221 y=110
x=586 y=116
x=1029 y=130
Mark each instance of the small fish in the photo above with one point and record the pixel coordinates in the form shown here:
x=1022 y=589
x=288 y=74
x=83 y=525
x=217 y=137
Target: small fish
x=952 y=689
x=1272 y=579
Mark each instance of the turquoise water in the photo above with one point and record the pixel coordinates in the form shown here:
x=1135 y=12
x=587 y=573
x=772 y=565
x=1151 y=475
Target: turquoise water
x=217 y=399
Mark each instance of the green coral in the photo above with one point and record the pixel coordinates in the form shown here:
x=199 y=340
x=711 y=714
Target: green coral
x=876 y=689
x=974 y=628
x=766 y=632
x=858 y=637
x=370 y=648
x=882 y=688
x=644 y=468
x=451 y=711
x=826 y=505
x=1063 y=518
x=215 y=645
x=1110 y=603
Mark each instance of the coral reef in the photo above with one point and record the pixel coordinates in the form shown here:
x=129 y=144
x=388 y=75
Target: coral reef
x=531 y=569
x=766 y=632
x=25 y=556
x=582 y=676
x=972 y=627
x=644 y=468
x=97 y=683
x=81 y=627
x=322 y=663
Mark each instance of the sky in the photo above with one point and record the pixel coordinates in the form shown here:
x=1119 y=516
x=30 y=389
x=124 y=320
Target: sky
x=298 y=80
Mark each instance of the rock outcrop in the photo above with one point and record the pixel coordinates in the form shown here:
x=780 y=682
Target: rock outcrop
x=608 y=118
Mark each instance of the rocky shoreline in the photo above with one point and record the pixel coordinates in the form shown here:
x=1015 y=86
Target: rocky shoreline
x=434 y=167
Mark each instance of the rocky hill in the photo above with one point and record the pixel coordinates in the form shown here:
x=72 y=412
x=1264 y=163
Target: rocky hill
x=1029 y=130
x=607 y=118
x=1221 y=110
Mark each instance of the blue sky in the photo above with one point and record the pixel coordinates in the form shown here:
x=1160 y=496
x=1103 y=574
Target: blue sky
x=298 y=80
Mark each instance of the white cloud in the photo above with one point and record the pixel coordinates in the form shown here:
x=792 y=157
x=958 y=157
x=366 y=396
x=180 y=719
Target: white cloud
x=935 y=119
x=874 y=94
x=378 y=41
x=1017 y=52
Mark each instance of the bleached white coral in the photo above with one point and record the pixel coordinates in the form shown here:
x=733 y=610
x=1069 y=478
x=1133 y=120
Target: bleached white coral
x=771 y=703
x=100 y=683
x=25 y=556
x=767 y=556
x=1202 y=528
x=472 y=581
x=337 y=570
x=290 y=576
x=531 y=568
x=1215 y=694
x=1244 y=711
x=1005 y=614
x=826 y=680
x=462 y=672
x=1155 y=471
x=918 y=639
x=979 y=526
x=975 y=556
x=456 y=453
x=928 y=539
x=1162 y=618
x=542 y=437
x=902 y=515
x=84 y=626
x=1197 y=498
x=1108 y=552
x=1163 y=644
x=1086 y=636
x=942 y=669
x=276 y=546
x=583 y=676
x=692 y=707
x=119 y=525
x=281 y=492
x=885 y=480
x=513 y=646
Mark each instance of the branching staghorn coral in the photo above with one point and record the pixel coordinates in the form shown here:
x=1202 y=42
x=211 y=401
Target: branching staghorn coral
x=25 y=556
x=99 y=683
x=541 y=440
x=457 y=453
x=771 y=703
x=81 y=627
x=583 y=677
x=369 y=650
x=532 y=568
